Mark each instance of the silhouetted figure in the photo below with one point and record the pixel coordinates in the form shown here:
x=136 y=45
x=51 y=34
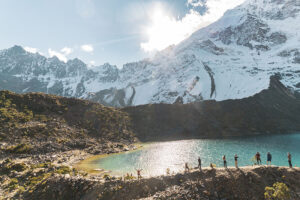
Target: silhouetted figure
x=290 y=160
x=168 y=171
x=236 y=160
x=258 y=160
x=138 y=171
x=224 y=161
x=199 y=163
x=269 y=158
x=186 y=167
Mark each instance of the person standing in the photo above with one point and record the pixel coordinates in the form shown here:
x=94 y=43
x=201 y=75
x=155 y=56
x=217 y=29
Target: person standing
x=199 y=163
x=258 y=160
x=269 y=158
x=186 y=168
x=236 y=160
x=224 y=161
x=138 y=171
x=290 y=160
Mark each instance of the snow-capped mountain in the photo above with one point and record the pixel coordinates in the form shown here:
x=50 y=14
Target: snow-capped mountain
x=230 y=59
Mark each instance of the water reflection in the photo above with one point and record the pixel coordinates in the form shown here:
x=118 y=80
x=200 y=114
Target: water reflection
x=155 y=158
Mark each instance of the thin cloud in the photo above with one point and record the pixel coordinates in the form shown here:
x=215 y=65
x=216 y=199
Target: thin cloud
x=92 y=62
x=166 y=30
x=87 y=48
x=31 y=49
x=114 y=41
x=66 y=50
x=59 y=55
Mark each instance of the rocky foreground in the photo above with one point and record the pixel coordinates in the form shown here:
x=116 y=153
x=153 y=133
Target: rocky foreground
x=211 y=184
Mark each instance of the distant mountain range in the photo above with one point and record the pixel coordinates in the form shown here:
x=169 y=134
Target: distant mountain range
x=232 y=58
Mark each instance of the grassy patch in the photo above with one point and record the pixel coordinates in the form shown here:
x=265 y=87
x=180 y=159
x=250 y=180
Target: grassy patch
x=19 y=149
x=8 y=166
x=13 y=184
x=10 y=112
x=33 y=181
x=42 y=165
x=63 y=170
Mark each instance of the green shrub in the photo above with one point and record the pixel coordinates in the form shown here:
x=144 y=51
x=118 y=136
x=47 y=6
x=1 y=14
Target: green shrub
x=128 y=177
x=279 y=191
x=19 y=167
x=41 y=165
x=20 y=148
x=42 y=118
x=10 y=113
x=21 y=189
x=33 y=181
x=13 y=184
x=9 y=166
x=107 y=177
x=63 y=170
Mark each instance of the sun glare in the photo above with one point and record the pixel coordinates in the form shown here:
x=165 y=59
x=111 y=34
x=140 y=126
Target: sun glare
x=165 y=30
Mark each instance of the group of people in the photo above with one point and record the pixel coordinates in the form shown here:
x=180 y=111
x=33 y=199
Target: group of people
x=269 y=159
x=257 y=158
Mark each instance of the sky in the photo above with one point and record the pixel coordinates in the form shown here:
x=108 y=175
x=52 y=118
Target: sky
x=101 y=31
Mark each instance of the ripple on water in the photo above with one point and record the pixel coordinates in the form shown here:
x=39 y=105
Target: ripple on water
x=155 y=158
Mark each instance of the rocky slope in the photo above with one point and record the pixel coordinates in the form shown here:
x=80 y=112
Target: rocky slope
x=232 y=58
x=43 y=135
x=38 y=123
x=236 y=184
x=273 y=110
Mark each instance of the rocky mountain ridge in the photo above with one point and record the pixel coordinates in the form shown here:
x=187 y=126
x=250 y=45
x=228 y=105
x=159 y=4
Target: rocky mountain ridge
x=232 y=58
x=274 y=110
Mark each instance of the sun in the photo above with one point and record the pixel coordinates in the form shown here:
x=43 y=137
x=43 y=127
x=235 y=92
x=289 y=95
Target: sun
x=164 y=30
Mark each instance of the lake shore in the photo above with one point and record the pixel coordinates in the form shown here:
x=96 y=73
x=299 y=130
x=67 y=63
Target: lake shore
x=57 y=177
x=156 y=158
x=21 y=173
x=87 y=163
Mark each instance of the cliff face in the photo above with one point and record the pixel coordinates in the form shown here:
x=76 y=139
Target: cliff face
x=274 y=110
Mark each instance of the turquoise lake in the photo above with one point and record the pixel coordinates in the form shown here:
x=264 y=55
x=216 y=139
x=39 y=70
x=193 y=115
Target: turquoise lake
x=155 y=158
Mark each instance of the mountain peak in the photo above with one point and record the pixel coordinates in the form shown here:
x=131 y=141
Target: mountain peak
x=76 y=61
x=17 y=50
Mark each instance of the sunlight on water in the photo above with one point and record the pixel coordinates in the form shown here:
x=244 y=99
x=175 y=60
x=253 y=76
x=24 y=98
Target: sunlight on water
x=155 y=158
